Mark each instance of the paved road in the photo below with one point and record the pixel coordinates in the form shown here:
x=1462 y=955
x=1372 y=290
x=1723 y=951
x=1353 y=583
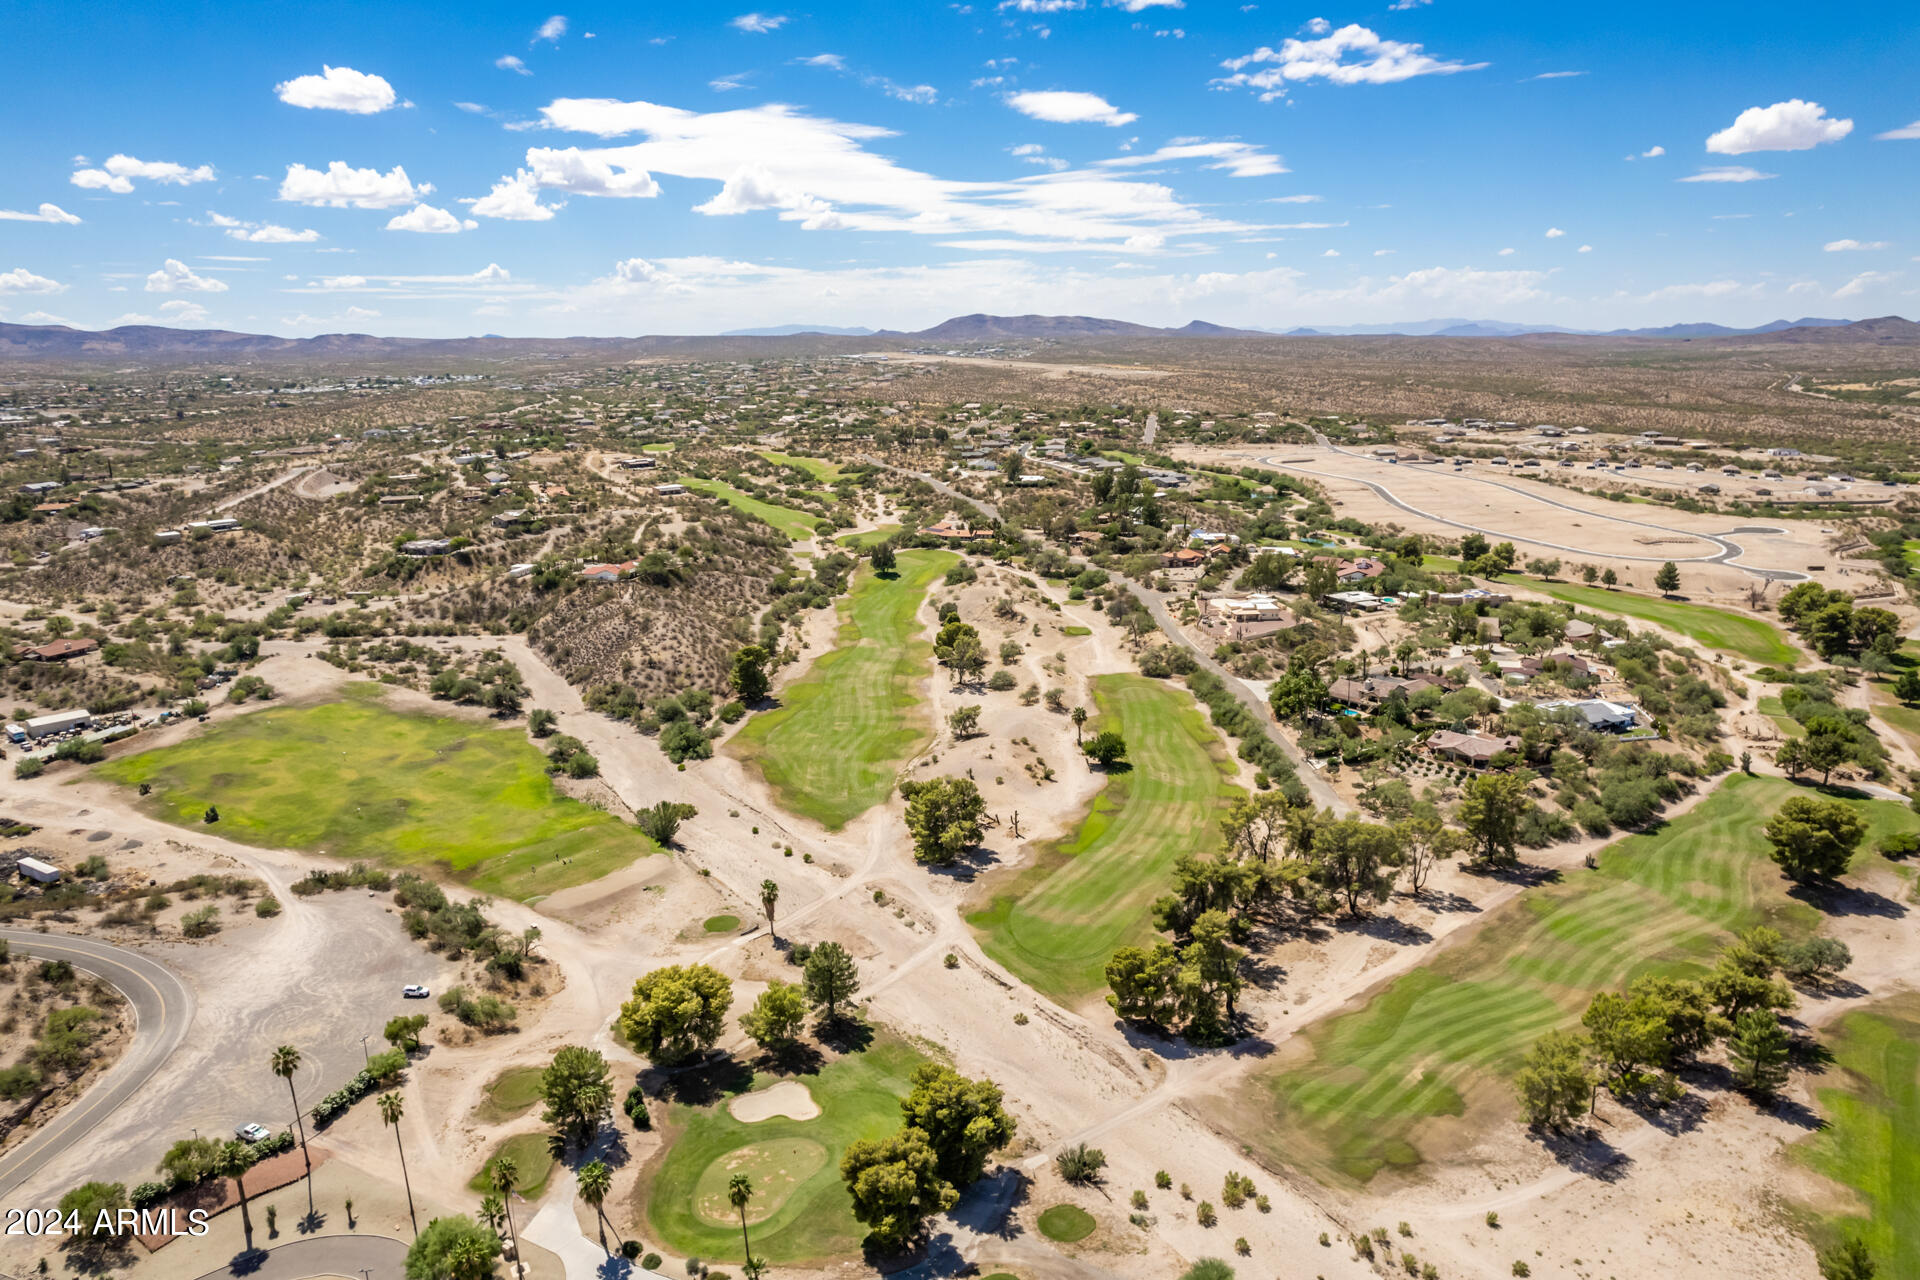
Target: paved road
x=1153 y=429
x=368 y=1257
x=1728 y=554
x=1318 y=788
x=939 y=486
x=163 y=1010
x=238 y=498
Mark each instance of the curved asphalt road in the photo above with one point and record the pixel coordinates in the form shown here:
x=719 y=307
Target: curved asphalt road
x=163 y=1010
x=372 y=1257
x=1728 y=554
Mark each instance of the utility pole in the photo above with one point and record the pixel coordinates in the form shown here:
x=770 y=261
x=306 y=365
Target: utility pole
x=363 y=1048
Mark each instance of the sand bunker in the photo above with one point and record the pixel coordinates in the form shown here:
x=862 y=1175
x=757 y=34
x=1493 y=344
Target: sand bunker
x=789 y=1098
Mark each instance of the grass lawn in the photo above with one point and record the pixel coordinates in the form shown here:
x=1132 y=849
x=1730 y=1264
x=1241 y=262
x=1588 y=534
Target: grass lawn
x=1663 y=902
x=819 y=468
x=532 y=1163
x=510 y=1093
x=1775 y=710
x=721 y=924
x=861 y=541
x=832 y=747
x=1076 y=631
x=1066 y=1223
x=801 y=1211
x=665 y=447
x=797 y=525
x=1901 y=717
x=356 y=779
x=1056 y=923
x=1871 y=1142
x=1749 y=638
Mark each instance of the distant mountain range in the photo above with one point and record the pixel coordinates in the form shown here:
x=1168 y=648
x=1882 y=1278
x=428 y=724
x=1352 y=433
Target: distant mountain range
x=158 y=344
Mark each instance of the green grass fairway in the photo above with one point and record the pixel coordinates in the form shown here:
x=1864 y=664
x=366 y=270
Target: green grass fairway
x=1775 y=710
x=1353 y=1101
x=1066 y=1223
x=510 y=1093
x=532 y=1164
x=832 y=747
x=1901 y=718
x=1076 y=631
x=1745 y=637
x=801 y=1211
x=1057 y=923
x=797 y=525
x=721 y=924
x=665 y=447
x=357 y=780
x=819 y=468
x=861 y=541
x=1872 y=1139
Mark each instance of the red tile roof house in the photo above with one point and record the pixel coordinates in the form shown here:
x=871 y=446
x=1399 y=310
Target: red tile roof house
x=1470 y=748
x=956 y=531
x=1365 y=569
x=608 y=572
x=1184 y=558
x=61 y=650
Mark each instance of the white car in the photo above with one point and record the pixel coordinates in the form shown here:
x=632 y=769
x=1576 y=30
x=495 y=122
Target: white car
x=251 y=1132
x=414 y=991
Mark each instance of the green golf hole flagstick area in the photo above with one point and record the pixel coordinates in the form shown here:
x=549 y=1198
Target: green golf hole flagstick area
x=1359 y=1092
x=359 y=780
x=1056 y=923
x=832 y=748
x=1744 y=637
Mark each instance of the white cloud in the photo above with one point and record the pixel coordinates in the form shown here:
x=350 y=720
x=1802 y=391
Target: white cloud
x=552 y=29
x=1506 y=253
x=1241 y=159
x=508 y=62
x=1399 y=6
x=341 y=187
x=1554 y=233
x=1026 y=149
x=515 y=199
x=832 y=61
x=1728 y=173
x=429 y=220
x=1552 y=75
x=177 y=312
x=1863 y=282
x=1138 y=6
x=1383 y=253
x=1585 y=248
x=21 y=280
x=724 y=84
x=588 y=173
x=1041 y=6
x=1294 y=199
x=43 y=317
x=174 y=276
x=1845 y=246
x=471 y=108
x=1653 y=153
x=360 y=313
x=338 y=89
x=758 y=23
x=118 y=173
x=269 y=233
x=46 y=213
x=1905 y=133
x=343 y=282
x=1062 y=106
x=1330 y=253
x=1351 y=55
x=1793 y=125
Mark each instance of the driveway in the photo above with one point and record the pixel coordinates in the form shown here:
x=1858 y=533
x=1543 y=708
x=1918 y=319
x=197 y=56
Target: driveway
x=369 y=1257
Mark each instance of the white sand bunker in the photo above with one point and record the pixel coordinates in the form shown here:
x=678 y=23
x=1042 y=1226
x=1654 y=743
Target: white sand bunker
x=789 y=1098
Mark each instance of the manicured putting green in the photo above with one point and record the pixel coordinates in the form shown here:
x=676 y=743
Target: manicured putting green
x=356 y=779
x=1355 y=1100
x=512 y=1092
x=1066 y=1223
x=532 y=1165
x=1056 y=923
x=721 y=924
x=797 y=525
x=1733 y=633
x=1870 y=1101
x=800 y=1205
x=833 y=746
x=861 y=541
x=1076 y=631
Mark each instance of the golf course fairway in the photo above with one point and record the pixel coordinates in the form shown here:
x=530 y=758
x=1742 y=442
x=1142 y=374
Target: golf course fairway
x=833 y=746
x=1056 y=923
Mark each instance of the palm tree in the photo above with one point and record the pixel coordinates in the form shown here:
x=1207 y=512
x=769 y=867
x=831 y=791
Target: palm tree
x=739 y=1191
x=470 y=1259
x=493 y=1213
x=1079 y=717
x=233 y=1161
x=769 y=897
x=505 y=1174
x=596 y=1180
x=391 y=1109
x=286 y=1061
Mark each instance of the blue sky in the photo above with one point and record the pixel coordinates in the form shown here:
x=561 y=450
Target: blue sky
x=442 y=170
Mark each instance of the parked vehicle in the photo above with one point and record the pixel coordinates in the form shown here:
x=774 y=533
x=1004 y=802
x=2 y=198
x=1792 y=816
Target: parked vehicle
x=251 y=1132
x=414 y=991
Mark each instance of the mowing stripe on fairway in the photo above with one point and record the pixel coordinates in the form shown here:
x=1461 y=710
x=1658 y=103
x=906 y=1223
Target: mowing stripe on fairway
x=1353 y=1101
x=797 y=525
x=1056 y=924
x=832 y=748
x=1733 y=633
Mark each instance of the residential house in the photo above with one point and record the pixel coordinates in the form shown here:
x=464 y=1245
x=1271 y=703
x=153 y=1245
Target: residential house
x=61 y=650
x=669 y=490
x=1472 y=749
x=427 y=547
x=512 y=519
x=607 y=572
x=1600 y=714
x=1184 y=558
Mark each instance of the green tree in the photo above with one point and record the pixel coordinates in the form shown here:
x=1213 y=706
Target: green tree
x=448 y=1248
x=1208 y=1269
x=1105 y=747
x=1757 y=1050
x=769 y=899
x=1609 y=578
x=777 y=1017
x=831 y=978
x=190 y=1160
x=676 y=1011
x=1907 y=686
x=286 y=1061
x=1814 y=840
x=881 y=557
x=749 y=674
x=1356 y=859
x=1628 y=1036
x=1142 y=982
x=577 y=1087
x=233 y=1162
x=87 y=1203
x=1296 y=693
x=1491 y=807
x=1210 y=965
x=896 y=1186
x=1554 y=1082
x=1848 y=1260
x=943 y=815
x=392 y=1108
x=963 y=1120
x=596 y=1182
x=1668 y=578
x=1079 y=717
x=739 y=1195
x=403 y=1030
x=504 y=1177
